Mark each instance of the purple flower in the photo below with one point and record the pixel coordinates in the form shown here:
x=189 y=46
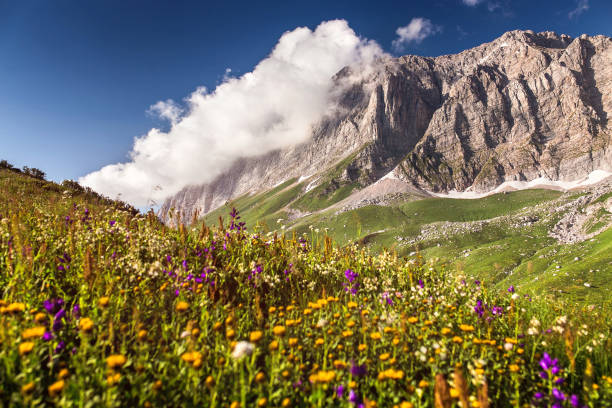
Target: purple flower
x=47 y=336
x=421 y=284
x=52 y=306
x=538 y=395
x=60 y=346
x=511 y=289
x=354 y=397
x=574 y=400
x=350 y=275
x=558 y=394
x=359 y=370
x=76 y=311
x=477 y=282
x=479 y=308
x=340 y=390
x=111 y=222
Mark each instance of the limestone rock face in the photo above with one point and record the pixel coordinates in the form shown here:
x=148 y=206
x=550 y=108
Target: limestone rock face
x=523 y=106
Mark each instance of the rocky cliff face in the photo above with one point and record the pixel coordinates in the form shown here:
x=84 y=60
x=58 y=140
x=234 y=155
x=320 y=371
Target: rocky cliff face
x=524 y=106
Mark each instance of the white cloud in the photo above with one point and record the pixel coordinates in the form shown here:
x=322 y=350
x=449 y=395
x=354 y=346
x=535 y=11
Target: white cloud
x=471 y=3
x=581 y=7
x=272 y=107
x=416 y=31
x=168 y=110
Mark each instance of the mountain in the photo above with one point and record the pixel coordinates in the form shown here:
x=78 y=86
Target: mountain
x=525 y=109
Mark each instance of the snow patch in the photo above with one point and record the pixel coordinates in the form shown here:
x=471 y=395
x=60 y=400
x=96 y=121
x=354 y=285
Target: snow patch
x=486 y=57
x=542 y=182
x=311 y=185
x=302 y=178
x=279 y=183
x=389 y=176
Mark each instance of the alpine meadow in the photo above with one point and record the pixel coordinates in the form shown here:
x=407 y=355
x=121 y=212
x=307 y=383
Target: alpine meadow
x=335 y=219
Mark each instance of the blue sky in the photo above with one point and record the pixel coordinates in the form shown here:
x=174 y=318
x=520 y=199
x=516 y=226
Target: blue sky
x=78 y=77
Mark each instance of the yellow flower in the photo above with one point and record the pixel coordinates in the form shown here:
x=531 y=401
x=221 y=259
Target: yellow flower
x=13 y=308
x=25 y=348
x=157 y=385
x=279 y=330
x=307 y=311
x=103 y=301
x=262 y=402
x=86 y=324
x=413 y=319
x=56 y=387
x=40 y=317
x=513 y=368
x=322 y=377
x=319 y=342
x=255 y=336
x=260 y=377
x=375 y=336
x=350 y=323
x=113 y=379
x=384 y=356
x=351 y=305
x=217 y=326
x=423 y=384
x=63 y=373
x=37 y=331
x=454 y=393
x=142 y=334
x=347 y=333
x=339 y=364
x=27 y=388
x=390 y=374
x=286 y=403
x=115 y=360
x=466 y=327
x=235 y=404
x=362 y=347
x=191 y=356
x=273 y=345
x=293 y=341
x=210 y=381
x=230 y=333
x=457 y=340
x=181 y=306
x=271 y=309
x=406 y=404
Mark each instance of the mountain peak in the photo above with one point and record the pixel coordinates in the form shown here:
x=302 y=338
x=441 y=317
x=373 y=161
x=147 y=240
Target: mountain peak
x=523 y=107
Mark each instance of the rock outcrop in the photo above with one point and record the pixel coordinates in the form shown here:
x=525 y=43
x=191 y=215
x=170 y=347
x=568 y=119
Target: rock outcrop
x=525 y=106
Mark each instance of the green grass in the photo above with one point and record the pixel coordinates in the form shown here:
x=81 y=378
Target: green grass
x=140 y=325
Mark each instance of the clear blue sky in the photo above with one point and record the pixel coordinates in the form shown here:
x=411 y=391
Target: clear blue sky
x=77 y=77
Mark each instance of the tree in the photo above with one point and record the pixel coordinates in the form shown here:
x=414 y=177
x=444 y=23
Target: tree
x=34 y=172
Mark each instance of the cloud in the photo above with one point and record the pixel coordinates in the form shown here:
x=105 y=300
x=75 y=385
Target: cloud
x=272 y=107
x=416 y=31
x=581 y=7
x=471 y=3
x=168 y=110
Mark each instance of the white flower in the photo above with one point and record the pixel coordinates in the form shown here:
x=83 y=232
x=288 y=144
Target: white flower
x=243 y=348
x=186 y=333
x=508 y=346
x=321 y=323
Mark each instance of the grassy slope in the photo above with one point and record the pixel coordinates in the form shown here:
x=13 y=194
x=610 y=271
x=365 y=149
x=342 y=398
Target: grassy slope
x=495 y=252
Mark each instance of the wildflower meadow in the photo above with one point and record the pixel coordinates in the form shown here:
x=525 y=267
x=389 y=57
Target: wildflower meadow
x=104 y=307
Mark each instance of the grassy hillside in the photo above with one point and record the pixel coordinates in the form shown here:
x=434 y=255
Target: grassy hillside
x=102 y=307
x=485 y=236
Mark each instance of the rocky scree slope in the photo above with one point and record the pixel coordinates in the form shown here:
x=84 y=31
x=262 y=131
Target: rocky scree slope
x=524 y=106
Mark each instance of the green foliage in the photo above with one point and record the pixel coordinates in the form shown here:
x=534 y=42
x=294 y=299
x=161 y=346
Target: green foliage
x=220 y=316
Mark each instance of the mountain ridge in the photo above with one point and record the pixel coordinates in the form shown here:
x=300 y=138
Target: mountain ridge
x=522 y=107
